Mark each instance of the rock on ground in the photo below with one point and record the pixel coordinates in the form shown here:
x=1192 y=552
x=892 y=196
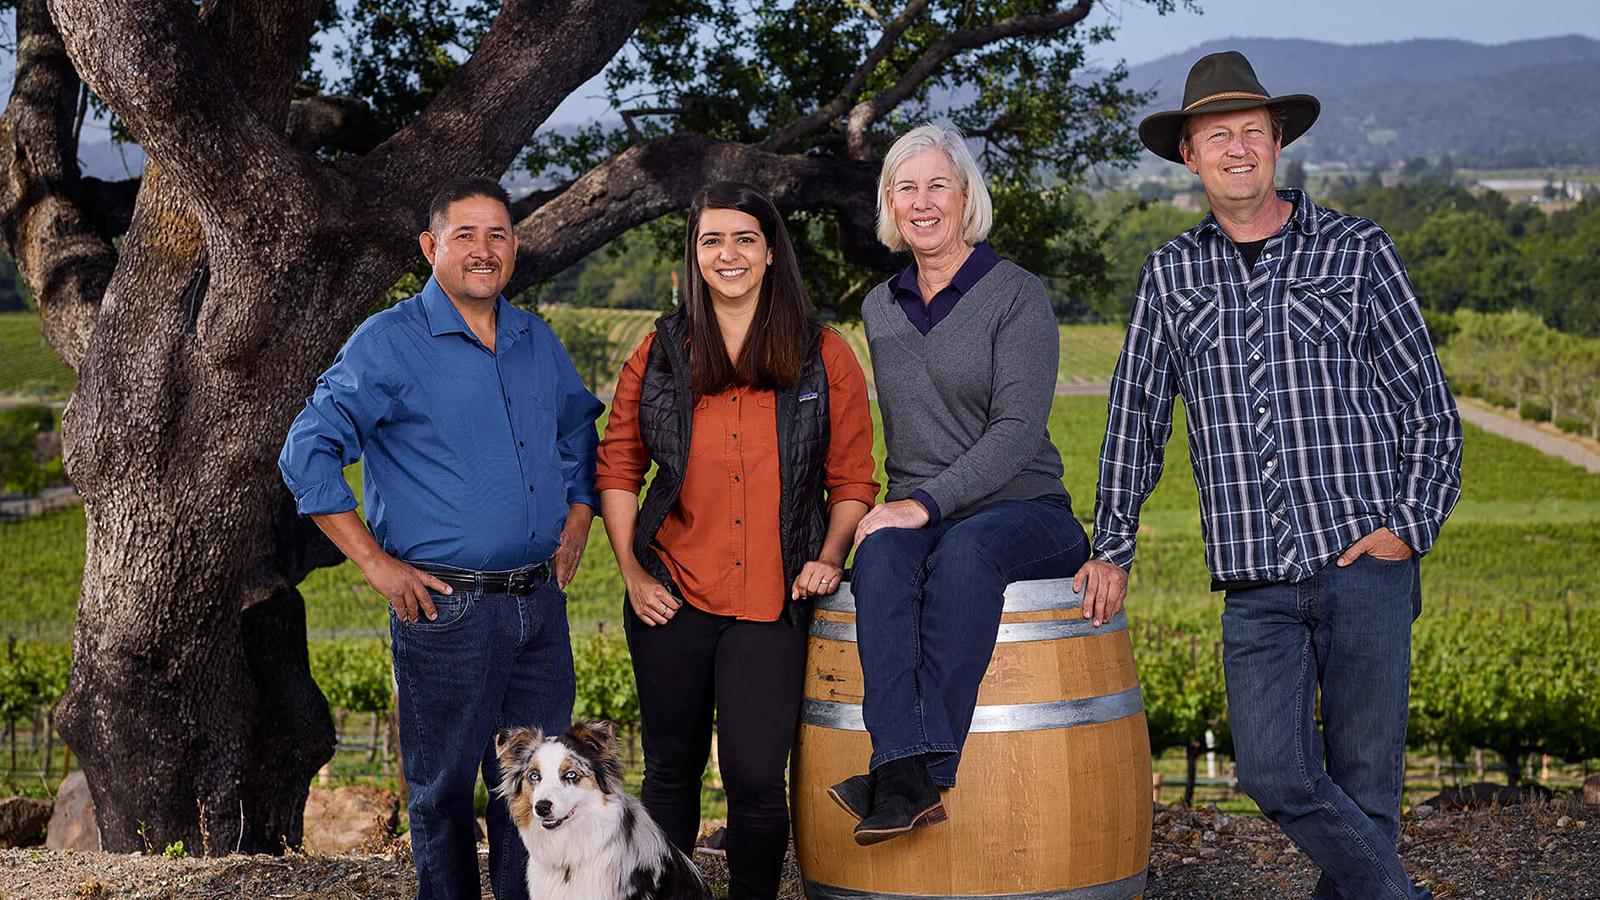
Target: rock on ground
x=22 y=821
x=72 y=824
x=349 y=818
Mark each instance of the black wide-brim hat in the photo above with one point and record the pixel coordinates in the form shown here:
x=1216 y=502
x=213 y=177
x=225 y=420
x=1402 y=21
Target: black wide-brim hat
x=1224 y=82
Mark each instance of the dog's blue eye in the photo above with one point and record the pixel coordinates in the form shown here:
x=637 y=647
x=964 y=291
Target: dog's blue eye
x=533 y=776
x=571 y=777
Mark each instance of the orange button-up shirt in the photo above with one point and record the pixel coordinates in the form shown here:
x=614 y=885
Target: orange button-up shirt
x=720 y=541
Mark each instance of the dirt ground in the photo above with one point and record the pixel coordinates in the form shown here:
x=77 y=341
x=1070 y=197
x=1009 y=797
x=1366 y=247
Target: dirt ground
x=1547 y=850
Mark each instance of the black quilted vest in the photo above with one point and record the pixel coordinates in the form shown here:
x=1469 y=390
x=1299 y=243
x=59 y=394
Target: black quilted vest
x=666 y=415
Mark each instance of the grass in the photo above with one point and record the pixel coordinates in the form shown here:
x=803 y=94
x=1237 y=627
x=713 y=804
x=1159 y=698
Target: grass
x=1520 y=546
x=28 y=367
x=1526 y=531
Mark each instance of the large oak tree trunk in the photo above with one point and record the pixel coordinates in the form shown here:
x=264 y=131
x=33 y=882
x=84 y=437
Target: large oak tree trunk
x=246 y=259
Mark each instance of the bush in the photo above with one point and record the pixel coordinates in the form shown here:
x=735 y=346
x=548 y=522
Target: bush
x=1534 y=411
x=606 y=689
x=1572 y=426
x=21 y=470
x=354 y=676
x=1466 y=387
x=1498 y=399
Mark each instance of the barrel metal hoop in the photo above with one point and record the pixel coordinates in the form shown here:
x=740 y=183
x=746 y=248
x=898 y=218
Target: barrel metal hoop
x=1040 y=595
x=1000 y=717
x=1010 y=632
x=1121 y=889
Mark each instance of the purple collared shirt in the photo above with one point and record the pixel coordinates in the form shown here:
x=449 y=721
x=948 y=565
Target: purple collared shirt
x=924 y=316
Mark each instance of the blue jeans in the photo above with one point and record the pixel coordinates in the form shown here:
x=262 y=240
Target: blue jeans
x=1335 y=791
x=928 y=606
x=488 y=661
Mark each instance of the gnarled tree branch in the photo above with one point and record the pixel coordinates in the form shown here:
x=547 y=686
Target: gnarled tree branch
x=535 y=54
x=47 y=213
x=837 y=107
x=335 y=122
x=186 y=91
x=869 y=111
x=649 y=180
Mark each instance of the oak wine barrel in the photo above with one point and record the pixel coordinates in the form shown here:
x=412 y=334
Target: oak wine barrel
x=1053 y=793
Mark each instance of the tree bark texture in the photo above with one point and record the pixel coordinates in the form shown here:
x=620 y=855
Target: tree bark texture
x=246 y=258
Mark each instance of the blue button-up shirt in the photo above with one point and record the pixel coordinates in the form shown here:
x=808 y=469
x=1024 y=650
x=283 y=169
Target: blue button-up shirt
x=471 y=457
x=1317 y=411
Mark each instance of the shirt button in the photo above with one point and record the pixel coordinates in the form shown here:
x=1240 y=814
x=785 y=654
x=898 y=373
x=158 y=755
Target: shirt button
x=737 y=564
x=521 y=444
x=1266 y=256
x=733 y=399
x=736 y=479
x=736 y=435
x=1271 y=463
x=738 y=521
x=530 y=488
x=1261 y=409
x=1256 y=357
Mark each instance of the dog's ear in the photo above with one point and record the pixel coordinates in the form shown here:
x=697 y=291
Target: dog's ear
x=601 y=737
x=509 y=743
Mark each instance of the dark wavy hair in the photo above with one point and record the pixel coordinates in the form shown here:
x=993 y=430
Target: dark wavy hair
x=780 y=334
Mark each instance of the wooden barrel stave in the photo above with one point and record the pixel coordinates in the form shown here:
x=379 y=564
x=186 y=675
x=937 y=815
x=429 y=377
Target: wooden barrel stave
x=1011 y=833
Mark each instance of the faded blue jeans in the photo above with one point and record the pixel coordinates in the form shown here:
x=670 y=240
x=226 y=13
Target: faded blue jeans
x=1334 y=790
x=488 y=661
x=928 y=604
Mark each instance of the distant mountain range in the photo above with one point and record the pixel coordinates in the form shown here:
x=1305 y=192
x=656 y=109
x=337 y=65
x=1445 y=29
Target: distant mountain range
x=1526 y=103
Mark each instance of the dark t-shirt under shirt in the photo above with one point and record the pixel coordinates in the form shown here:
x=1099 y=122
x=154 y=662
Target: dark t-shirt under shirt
x=1250 y=250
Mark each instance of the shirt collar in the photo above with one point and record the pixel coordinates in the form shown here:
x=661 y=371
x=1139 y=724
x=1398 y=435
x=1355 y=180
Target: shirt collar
x=979 y=262
x=444 y=318
x=1302 y=218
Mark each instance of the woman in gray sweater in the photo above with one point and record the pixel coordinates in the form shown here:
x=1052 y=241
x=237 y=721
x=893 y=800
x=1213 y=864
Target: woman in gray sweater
x=964 y=348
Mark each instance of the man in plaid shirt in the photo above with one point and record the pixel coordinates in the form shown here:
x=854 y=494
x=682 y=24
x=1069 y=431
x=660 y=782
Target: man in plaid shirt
x=1326 y=449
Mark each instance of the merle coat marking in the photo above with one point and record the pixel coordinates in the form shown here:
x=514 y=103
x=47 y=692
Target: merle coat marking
x=587 y=837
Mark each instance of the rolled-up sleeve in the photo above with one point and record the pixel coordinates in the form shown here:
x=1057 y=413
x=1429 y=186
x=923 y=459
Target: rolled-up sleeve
x=848 y=468
x=350 y=398
x=624 y=461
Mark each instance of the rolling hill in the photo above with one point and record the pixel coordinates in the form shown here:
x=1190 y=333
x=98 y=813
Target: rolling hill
x=1524 y=103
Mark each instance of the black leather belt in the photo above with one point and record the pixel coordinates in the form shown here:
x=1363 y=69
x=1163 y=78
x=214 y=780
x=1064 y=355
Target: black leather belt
x=516 y=583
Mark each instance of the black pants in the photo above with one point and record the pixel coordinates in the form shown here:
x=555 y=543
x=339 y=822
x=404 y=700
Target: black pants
x=750 y=674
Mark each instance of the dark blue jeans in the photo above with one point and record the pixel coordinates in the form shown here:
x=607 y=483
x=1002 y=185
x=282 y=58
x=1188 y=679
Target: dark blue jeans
x=928 y=606
x=488 y=661
x=1335 y=790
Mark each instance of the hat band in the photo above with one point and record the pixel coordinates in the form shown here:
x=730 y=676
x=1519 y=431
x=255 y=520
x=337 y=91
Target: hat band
x=1226 y=95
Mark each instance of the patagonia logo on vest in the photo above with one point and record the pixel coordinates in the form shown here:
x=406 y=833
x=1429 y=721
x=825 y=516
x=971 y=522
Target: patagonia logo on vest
x=809 y=395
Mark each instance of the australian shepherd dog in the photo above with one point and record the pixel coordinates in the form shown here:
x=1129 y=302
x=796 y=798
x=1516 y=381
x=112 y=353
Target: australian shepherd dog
x=587 y=837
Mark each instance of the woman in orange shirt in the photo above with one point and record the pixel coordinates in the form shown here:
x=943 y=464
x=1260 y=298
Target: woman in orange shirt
x=757 y=421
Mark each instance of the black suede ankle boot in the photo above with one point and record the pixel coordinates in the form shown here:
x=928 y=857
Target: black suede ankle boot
x=904 y=798
x=854 y=795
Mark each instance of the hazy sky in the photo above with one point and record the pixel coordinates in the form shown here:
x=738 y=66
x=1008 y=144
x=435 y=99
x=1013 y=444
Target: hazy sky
x=1142 y=35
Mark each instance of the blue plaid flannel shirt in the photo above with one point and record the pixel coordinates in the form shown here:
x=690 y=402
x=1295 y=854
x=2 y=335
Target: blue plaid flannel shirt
x=1317 y=410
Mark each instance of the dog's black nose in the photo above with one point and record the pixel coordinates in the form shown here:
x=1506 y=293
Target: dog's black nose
x=542 y=807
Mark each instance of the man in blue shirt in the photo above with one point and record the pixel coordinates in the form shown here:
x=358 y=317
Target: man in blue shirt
x=478 y=442
x=1327 y=451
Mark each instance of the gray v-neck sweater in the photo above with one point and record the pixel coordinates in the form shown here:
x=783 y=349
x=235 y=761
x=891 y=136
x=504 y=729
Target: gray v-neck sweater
x=966 y=407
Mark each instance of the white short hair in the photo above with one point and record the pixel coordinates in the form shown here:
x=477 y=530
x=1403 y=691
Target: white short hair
x=978 y=216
